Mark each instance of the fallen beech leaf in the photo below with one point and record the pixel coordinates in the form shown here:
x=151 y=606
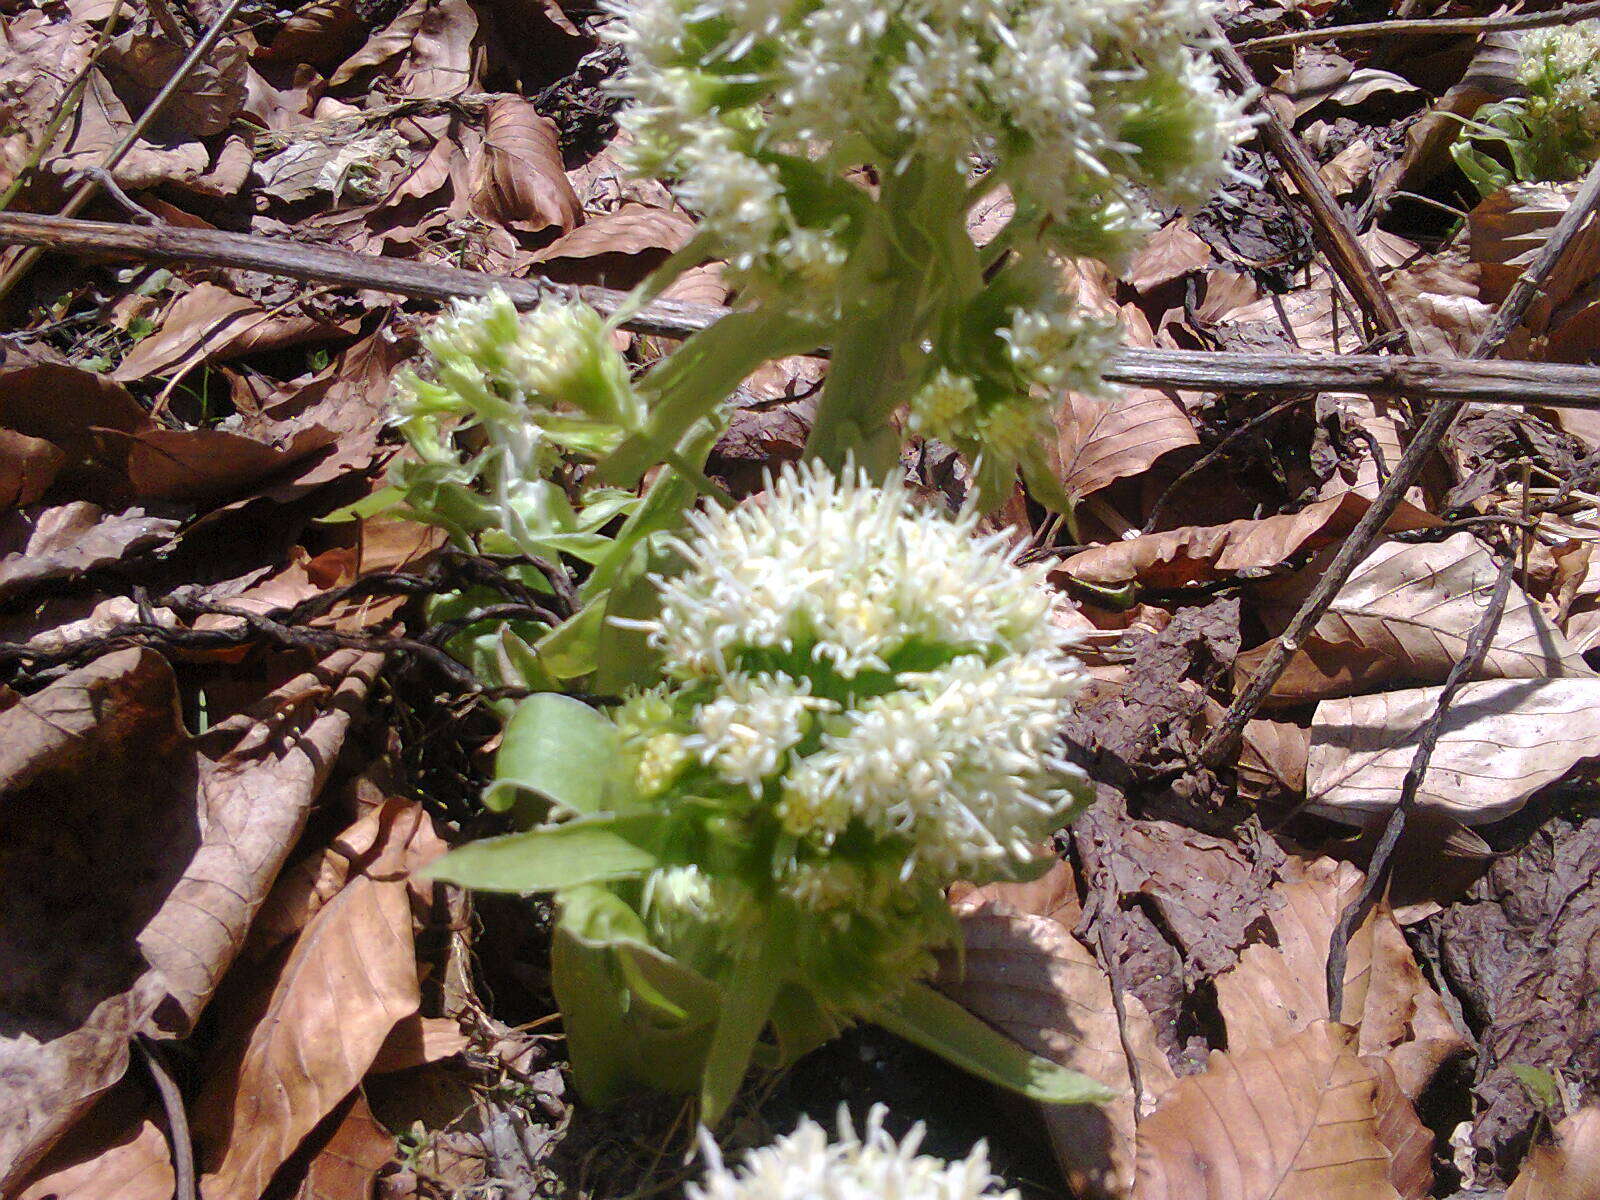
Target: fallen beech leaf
x=1567 y=1167
x=1502 y=740
x=1405 y=615
x=121 y=917
x=518 y=178
x=206 y=464
x=1102 y=440
x=631 y=229
x=1201 y=553
x=389 y=43
x=43 y=396
x=347 y=1167
x=417 y=1041
x=393 y=836
x=1172 y=253
x=1303 y=1119
x=66 y=541
x=350 y=977
x=116 y=1151
x=1507 y=231
x=210 y=323
x=1054 y=894
x=1272 y=761
x=1028 y=976
x=1278 y=989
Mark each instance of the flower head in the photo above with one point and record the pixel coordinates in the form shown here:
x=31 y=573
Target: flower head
x=836 y=577
x=1079 y=103
x=867 y=704
x=805 y=1165
x=525 y=390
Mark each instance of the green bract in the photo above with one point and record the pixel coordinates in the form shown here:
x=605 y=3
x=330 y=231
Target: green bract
x=863 y=703
x=1551 y=133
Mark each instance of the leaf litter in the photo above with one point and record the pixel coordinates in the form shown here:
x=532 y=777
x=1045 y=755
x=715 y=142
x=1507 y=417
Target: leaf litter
x=229 y=737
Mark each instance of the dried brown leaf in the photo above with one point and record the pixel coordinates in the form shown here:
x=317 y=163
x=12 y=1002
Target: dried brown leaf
x=1568 y=1166
x=1201 y=553
x=1304 y=1119
x=518 y=177
x=1102 y=440
x=347 y=1167
x=28 y=466
x=1502 y=740
x=68 y=540
x=1031 y=978
x=163 y=882
x=1405 y=616
x=351 y=976
x=210 y=323
x=1173 y=252
x=118 y=1151
x=1277 y=988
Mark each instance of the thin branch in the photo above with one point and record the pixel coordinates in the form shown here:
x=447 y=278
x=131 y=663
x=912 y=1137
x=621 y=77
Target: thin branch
x=1445 y=27
x=1556 y=385
x=1373 y=521
x=1329 y=226
x=178 y=1138
x=90 y=186
x=1381 y=865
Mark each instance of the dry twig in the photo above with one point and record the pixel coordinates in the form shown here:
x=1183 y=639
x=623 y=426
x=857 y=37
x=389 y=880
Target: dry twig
x=1441 y=27
x=1555 y=385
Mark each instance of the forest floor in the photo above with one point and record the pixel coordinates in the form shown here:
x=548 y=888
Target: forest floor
x=229 y=738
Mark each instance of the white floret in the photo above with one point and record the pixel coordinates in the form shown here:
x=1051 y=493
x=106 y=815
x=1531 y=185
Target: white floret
x=872 y=1165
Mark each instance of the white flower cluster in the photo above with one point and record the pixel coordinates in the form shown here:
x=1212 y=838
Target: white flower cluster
x=805 y=1165
x=846 y=573
x=1560 y=70
x=529 y=387
x=866 y=667
x=1079 y=104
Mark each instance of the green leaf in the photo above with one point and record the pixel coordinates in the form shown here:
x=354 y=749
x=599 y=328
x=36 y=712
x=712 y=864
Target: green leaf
x=746 y=1004
x=1542 y=1087
x=382 y=500
x=634 y=1017
x=693 y=382
x=937 y=1023
x=592 y=850
x=560 y=749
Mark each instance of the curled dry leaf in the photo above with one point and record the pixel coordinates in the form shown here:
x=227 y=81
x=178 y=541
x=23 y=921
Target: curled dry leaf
x=1405 y=616
x=28 y=466
x=1099 y=441
x=1507 y=231
x=118 y=1150
x=518 y=178
x=121 y=918
x=1303 y=1119
x=1028 y=976
x=1502 y=740
x=351 y=976
x=348 y=1164
x=210 y=323
x=1568 y=1166
x=68 y=540
x=1277 y=988
x=1203 y=553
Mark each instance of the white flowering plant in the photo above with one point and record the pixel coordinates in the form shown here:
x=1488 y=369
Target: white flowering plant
x=1551 y=132
x=836 y=702
x=869 y=1165
x=862 y=703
